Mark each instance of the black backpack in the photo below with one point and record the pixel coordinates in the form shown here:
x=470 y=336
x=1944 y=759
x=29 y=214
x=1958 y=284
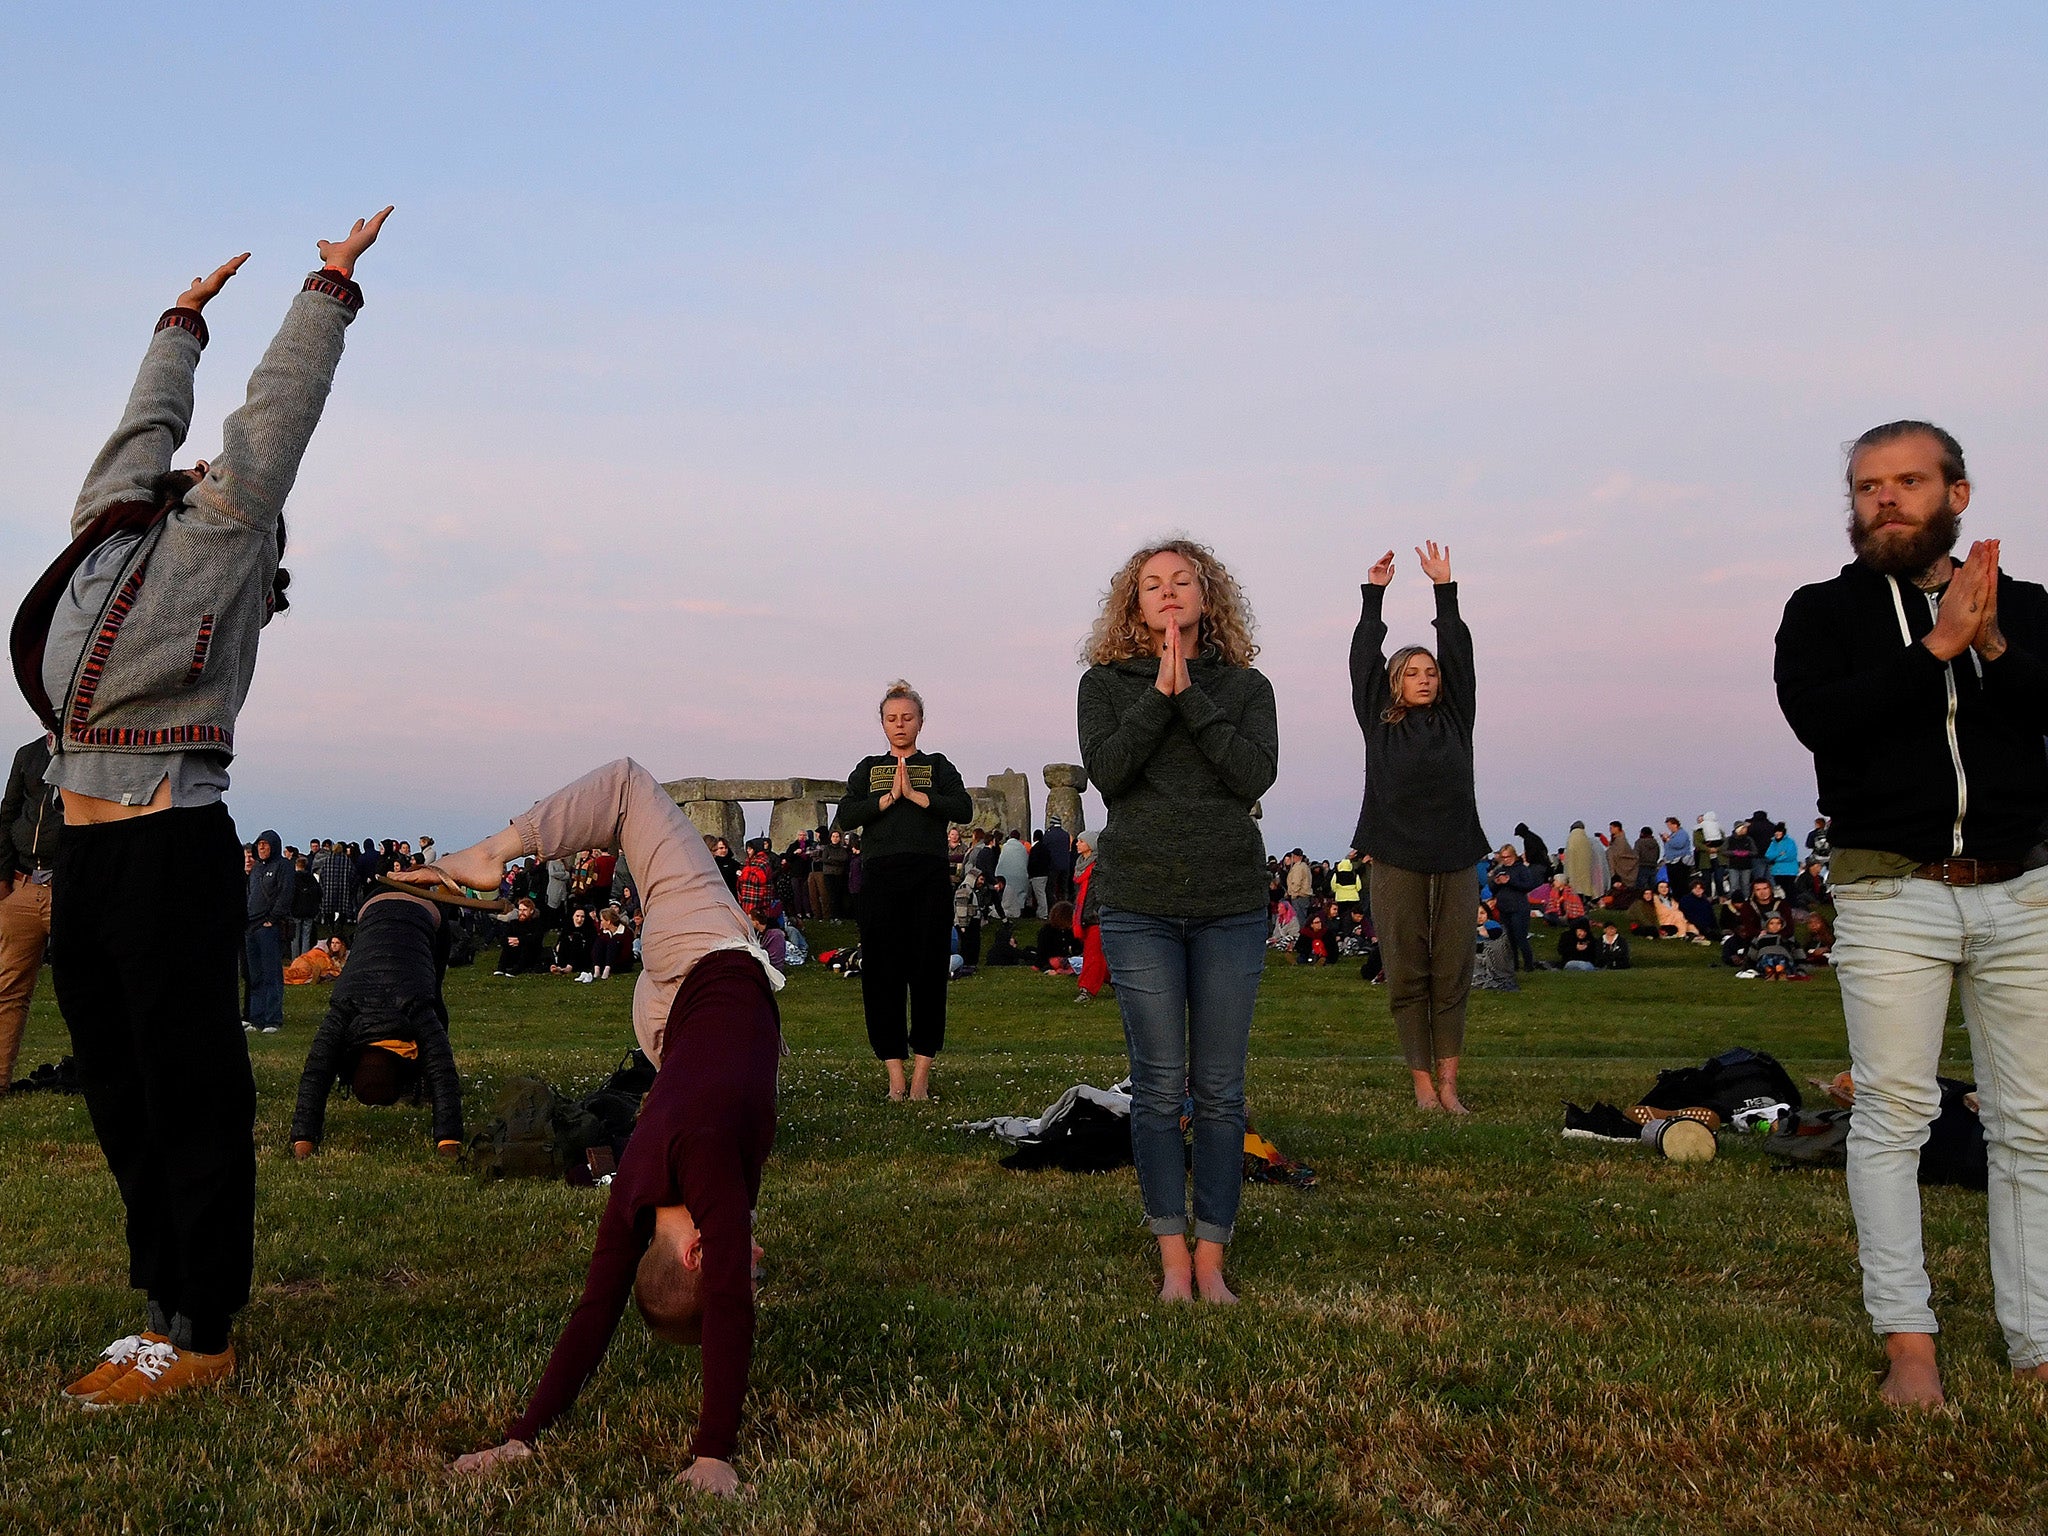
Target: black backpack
x=1730 y=1082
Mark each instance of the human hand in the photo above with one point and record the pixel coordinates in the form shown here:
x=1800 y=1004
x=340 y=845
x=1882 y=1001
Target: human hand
x=1989 y=641
x=343 y=254
x=302 y=1150
x=1382 y=570
x=204 y=288
x=1962 y=606
x=490 y=1460
x=1169 y=661
x=707 y=1474
x=1436 y=563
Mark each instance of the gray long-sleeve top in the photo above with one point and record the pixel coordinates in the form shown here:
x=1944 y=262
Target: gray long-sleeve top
x=1180 y=776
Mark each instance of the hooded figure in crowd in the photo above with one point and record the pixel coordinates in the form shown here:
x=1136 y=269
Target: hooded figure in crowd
x=1578 y=860
x=269 y=919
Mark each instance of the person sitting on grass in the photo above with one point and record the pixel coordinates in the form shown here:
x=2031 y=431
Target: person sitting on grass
x=1672 y=923
x=1056 y=946
x=1818 y=939
x=386 y=1029
x=572 y=946
x=677 y=1229
x=323 y=962
x=1611 y=952
x=523 y=951
x=1698 y=909
x=1563 y=905
x=1575 y=946
x=1641 y=915
x=1746 y=921
x=1775 y=955
x=1317 y=944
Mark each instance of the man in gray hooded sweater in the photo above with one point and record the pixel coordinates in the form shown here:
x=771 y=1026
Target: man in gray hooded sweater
x=136 y=650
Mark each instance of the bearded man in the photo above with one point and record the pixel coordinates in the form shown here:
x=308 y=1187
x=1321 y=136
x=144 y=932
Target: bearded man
x=1918 y=683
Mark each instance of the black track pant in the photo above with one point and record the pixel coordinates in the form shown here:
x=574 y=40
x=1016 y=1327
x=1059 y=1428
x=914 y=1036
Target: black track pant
x=906 y=944
x=145 y=925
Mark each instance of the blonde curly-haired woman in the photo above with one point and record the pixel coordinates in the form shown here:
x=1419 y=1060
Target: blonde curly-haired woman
x=1179 y=734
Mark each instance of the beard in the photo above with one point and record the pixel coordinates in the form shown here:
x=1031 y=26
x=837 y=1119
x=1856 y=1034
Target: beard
x=1899 y=550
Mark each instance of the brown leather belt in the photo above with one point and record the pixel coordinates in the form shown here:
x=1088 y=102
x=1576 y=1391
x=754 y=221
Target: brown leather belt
x=1969 y=872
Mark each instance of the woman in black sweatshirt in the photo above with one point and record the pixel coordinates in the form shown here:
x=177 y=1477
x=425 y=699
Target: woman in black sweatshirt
x=1420 y=823
x=1179 y=734
x=904 y=801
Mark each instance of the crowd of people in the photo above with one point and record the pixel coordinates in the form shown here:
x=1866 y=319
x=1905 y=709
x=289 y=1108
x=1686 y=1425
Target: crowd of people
x=1760 y=904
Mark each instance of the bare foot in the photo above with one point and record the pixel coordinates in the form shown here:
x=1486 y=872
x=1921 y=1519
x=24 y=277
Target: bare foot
x=1914 y=1380
x=921 y=1078
x=1177 y=1270
x=1209 y=1274
x=1425 y=1090
x=1450 y=1101
x=895 y=1070
x=2036 y=1373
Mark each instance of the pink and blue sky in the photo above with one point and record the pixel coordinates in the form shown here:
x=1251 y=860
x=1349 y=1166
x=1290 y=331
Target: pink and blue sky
x=722 y=363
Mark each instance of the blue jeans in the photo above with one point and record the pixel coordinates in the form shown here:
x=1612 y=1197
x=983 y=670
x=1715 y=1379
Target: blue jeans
x=266 y=975
x=1185 y=987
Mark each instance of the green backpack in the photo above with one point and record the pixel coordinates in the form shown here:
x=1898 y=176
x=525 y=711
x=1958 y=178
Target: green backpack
x=535 y=1134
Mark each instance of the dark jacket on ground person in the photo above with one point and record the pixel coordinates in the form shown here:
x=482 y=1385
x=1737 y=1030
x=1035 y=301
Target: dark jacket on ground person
x=31 y=814
x=1180 y=776
x=531 y=952
x=905 y=827
x=1421 y=810
x=1699 y=911
x=389 y=990
x=572 y=945
x=1610 y=957
x=1535 y=852
x=1915 y=756
x=1576 y=943
x=270 y=886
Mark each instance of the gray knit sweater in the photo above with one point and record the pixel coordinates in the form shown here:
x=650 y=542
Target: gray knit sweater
x=1180 y=776
x=173 y=652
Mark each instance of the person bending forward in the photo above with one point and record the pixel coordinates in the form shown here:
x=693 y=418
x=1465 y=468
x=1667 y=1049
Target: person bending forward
x=677 y=1229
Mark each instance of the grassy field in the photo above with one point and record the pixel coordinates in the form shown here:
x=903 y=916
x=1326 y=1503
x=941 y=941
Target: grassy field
x=1469 y=1326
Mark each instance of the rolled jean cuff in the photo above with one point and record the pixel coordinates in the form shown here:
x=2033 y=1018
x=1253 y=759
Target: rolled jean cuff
x=1209 y=1232
x=1924 y=1322
x=1167 y=1226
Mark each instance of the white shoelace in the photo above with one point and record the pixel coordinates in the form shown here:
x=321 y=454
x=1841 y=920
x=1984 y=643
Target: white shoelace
x=154 y=1359
x=121 y=1351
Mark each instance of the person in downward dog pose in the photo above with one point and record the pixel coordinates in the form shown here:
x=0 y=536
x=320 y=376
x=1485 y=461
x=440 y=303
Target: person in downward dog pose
x=386 y=1029
x=1179 y=732
x=677 y=1230
x=136 y=649
x=1420 y=823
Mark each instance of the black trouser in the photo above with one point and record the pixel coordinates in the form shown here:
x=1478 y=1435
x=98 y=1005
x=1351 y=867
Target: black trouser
x=145 y=925
x=1516 y=921
x=906 y=945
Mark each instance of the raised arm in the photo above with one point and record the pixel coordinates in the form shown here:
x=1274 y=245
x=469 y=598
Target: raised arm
x=263 y=441
x=1245 y=752
x=159 y=410
x=1454 y=654
x=717 y=1197
x=1116 y=745
x=1369 y=657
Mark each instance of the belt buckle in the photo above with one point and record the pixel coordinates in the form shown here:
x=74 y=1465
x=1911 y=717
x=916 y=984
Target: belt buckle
x=1954 y=875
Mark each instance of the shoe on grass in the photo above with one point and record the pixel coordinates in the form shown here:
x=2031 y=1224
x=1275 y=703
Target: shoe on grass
x=161 y=1370
x=116 y=1361
x=270 y=1029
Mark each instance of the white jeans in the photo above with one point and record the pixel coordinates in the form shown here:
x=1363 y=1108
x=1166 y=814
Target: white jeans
x=1898 y=942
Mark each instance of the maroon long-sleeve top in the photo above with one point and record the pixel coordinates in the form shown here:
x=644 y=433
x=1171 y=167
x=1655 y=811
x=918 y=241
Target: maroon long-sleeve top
x=704 y=1132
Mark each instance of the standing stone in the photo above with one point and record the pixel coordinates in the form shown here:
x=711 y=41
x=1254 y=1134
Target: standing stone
x=719 y=818
x=988 y=810
x=791 y=819
x=1013 y=790
x=1063 y=785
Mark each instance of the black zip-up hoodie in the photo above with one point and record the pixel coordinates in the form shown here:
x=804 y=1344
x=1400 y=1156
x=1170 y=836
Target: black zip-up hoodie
x=1916 y=756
